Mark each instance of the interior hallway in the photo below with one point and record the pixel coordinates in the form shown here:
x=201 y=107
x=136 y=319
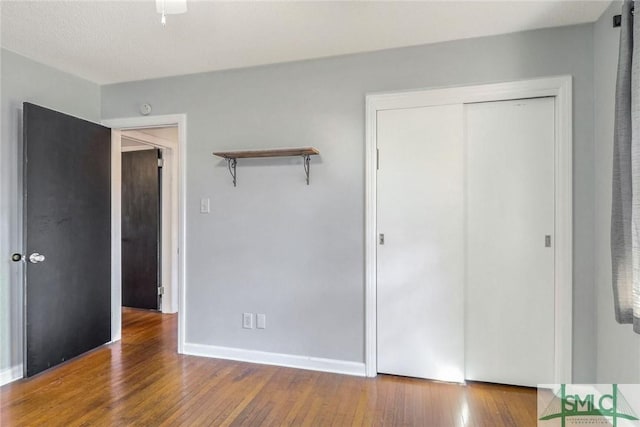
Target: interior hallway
x=143 y=381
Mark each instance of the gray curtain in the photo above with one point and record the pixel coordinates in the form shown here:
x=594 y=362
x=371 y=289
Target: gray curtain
x=625 y=215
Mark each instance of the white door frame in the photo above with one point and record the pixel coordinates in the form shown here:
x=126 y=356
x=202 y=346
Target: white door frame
x=557 y=87
x=177 y=218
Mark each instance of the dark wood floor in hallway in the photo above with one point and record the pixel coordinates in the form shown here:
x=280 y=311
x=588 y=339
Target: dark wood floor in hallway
x=142 y=381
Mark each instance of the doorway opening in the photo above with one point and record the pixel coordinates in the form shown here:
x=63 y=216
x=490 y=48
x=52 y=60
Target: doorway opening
x=146 y=218
x=165 y=136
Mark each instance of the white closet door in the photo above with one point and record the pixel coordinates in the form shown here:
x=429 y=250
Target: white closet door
x=510 y=268
x=420 y=265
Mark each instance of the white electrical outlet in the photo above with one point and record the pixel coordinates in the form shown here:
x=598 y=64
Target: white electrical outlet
x=247 y=320
x=261 y=321
x=205 y=206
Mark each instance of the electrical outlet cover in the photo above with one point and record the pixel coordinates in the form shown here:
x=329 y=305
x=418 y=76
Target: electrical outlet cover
x=247 y=320
x=261 y=321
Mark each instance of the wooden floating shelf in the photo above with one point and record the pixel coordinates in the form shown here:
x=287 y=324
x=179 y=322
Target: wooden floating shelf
x=232 y=157
x=278 y=152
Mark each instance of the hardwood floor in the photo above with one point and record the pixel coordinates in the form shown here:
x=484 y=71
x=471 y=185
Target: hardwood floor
x=143 y=381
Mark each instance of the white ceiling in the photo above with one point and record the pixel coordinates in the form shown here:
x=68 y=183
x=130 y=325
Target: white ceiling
x=115 y=41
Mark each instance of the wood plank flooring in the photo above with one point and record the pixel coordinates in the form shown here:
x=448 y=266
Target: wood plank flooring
x=142 y=381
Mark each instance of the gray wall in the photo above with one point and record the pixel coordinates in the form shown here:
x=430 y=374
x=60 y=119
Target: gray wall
x=25 y=80
x=273 y=245
x=618 y=347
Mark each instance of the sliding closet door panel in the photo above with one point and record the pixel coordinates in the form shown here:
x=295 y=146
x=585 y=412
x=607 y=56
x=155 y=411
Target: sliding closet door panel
x=420 y=265
x=510 y=254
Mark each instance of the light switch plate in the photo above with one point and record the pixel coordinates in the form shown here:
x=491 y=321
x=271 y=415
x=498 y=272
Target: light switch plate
x=205 y=206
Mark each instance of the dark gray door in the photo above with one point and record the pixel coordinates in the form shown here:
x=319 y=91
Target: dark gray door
x=67 y=220
x=140 y=229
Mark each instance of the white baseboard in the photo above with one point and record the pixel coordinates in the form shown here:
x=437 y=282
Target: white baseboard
x=10 y=374
x=277 y=359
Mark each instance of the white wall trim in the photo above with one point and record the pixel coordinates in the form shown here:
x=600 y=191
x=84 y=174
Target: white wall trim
x=131 y=148
x=116 y=236
x=178 y=233
x=148 y=139
x=277 y=359
x=564 y=233
x=11 y=374
x=558 y=87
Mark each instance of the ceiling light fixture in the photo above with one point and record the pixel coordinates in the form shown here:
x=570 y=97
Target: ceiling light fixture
x=170 y=7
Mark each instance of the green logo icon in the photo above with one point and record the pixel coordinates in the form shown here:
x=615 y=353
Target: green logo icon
x=612 y=406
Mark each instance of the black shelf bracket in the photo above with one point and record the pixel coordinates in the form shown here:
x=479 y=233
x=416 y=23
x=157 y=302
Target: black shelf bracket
x=231 y=164
x=307 y=165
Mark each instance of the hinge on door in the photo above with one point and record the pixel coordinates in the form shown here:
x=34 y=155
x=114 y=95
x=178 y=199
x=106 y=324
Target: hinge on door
x=377 y=158
x=160 y=290
x=160 y=163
